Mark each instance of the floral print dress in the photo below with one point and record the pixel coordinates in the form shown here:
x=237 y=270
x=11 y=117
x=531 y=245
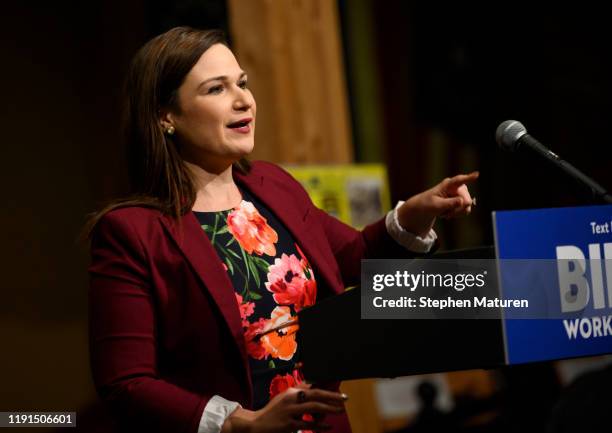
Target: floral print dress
x=272 y=280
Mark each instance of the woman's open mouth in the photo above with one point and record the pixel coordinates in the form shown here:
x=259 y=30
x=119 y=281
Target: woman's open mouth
x=242 y=126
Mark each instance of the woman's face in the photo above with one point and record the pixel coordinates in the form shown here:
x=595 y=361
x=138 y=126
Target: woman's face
x=215 y=120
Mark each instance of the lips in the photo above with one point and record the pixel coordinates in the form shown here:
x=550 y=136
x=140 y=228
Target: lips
x=242 y=126
x=240 y=123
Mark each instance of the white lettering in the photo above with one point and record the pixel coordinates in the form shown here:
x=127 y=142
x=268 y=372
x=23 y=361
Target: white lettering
x=598 y=229
x=596 y=276
x=377 y=282
x=585 y=331
x=607 y=325
x=587 y=327
x=596 y=326
x=571 y=328
x=571 y=266
x=607 y=247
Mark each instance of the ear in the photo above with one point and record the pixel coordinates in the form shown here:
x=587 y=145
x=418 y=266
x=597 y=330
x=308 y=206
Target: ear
x=166 y=119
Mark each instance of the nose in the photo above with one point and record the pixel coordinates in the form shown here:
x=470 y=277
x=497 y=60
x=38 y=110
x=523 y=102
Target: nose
x=243 y=100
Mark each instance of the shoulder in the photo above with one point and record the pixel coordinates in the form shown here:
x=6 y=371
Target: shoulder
x=270 y=170
x=270 y=174
x=127 y=221
x=133 y=215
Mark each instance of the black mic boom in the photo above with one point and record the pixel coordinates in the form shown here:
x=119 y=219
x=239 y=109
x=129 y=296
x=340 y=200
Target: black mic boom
x=511 y=135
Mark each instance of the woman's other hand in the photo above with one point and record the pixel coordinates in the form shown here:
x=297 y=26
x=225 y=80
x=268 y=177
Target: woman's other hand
x=285 y=412
x=450 y=198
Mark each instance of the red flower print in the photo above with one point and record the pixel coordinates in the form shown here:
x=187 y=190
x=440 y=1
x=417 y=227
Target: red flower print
x=251 y=230
x=255 y=348
x=288 y=283
x=297 y=375
x=308 y=418
x=281 y=383
x=246 y=309
x=309 y=294
x=284 y=382
x=281 y=343
x=304 y=260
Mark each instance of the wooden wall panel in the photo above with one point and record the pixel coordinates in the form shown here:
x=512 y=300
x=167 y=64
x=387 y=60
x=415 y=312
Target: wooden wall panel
x=362 y=407
x=291 y=50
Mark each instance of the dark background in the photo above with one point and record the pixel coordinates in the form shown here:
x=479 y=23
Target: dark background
x=464 y=69
x=451 y=71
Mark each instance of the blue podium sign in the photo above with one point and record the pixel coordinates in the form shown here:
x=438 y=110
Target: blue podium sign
x=560 y=259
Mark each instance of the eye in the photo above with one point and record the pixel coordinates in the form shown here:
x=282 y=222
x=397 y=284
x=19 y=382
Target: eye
x=242 y=84
x=215 y=89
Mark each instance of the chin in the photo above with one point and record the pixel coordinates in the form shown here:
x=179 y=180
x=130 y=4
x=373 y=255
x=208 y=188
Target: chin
x=245 y=149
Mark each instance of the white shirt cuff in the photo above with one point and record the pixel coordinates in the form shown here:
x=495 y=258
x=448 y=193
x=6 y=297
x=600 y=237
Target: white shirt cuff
x=408 y=240
x=215 y=413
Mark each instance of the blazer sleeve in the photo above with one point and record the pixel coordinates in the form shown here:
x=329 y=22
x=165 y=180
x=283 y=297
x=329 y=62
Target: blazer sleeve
x=349 y=245
x=123 y=336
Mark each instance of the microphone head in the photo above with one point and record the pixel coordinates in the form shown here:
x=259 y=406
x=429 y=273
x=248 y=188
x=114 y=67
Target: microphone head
x=508 y=134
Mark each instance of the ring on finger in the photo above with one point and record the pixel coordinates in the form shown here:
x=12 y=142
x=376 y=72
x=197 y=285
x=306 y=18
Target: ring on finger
x=301 y=397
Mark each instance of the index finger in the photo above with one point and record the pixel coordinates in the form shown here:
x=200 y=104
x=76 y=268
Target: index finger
x=460 y=179
x=326 y=396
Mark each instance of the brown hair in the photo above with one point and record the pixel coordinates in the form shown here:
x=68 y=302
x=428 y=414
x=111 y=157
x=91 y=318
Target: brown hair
x=158 y=177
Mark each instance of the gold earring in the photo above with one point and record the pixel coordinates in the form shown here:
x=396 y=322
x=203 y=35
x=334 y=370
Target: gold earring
x=170 y=130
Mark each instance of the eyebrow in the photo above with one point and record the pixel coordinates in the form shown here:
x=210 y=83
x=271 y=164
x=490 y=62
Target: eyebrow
x=220 y=78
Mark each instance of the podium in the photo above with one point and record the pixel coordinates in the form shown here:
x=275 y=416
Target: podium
x=353 y=348
x=337 y=344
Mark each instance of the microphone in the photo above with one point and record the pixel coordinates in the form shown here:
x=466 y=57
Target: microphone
x=511 y=136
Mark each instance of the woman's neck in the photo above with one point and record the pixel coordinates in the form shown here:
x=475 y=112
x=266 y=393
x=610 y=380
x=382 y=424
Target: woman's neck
x=214 y=191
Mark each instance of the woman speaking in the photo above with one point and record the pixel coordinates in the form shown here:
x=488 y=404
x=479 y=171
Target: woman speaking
x=194 y=274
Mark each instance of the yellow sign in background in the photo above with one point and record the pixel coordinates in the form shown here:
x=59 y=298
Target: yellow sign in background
x=357 y=194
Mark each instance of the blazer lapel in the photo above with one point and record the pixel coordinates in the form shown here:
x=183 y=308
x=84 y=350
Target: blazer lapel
x=200 y=253
x=279 y=200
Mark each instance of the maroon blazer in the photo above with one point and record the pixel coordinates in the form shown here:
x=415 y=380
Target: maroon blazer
x=165 y=330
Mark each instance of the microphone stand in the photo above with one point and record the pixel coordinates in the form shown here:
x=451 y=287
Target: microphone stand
x=598 y=192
